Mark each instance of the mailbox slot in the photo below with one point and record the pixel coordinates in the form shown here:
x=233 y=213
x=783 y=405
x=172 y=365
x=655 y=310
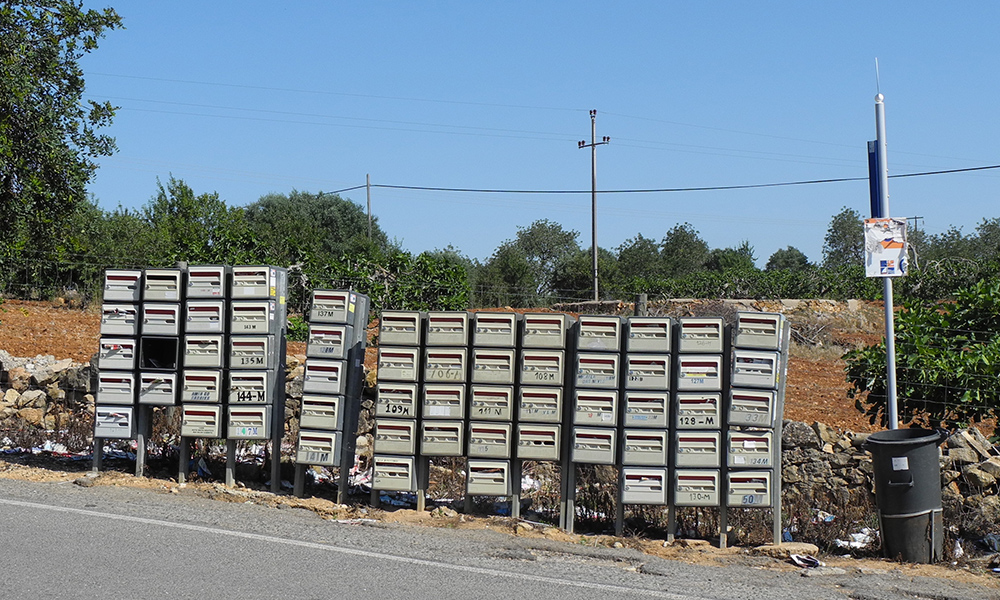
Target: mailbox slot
x=595 y=407
x=206 y=281
x=442 y=438
x=755 y=408
x=648 y=334
x=542 y=367
x=396 y=436
x=201 y=421
x=318 y=448
x=321 y=412
x=445 y=365
x=161 y=319
x=159 y=389
x=400 y=328
x=497 y=330
x=538 y=441
x=254 y=282
x=205 y=316
x=489 y=440
x=699 y=410
x=750 y=449
x=594 y=445
x=698 y=449
x=647 y=409
x=644 y=447
x=647 y=371
x=448 y=328
x=122 y=286
x=644 y=486
x=251 y=316
x=755 y=368
x=396 y=399
x=491 y=402
x=749 y=488
x=699 y=373
x=160 y=353
x=694 y=487
x=203 y=351
x=253 y=352
x=398 y=364
x=596 y=370
x=443 y=401
x=201 y=387
x=488 y=478
x=759 y=330
x=116 y=387
x=331 y=307
x=394 y=473
x=540 y=404
x=701 y=335
x=116 y=354
x=249 y=422
x=493 y=365
x=114 y=422
x=249 y=387
x=325 y=376
x=162 y=285
x=329 y=341
x=600 y=334
x=120 y=319
x=544 y=330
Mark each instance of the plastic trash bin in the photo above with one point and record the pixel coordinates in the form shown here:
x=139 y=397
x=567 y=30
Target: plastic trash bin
x=908 y=492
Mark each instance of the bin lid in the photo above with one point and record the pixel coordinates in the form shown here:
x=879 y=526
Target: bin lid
x=905 y=437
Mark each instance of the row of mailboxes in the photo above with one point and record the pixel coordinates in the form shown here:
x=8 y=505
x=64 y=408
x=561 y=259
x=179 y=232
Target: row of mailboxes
x=534 y=441
x=483 y=329
x=195 y=316
x=448 y=401
x=200 y=386
x=696 y=487
x=483 y=477
x=195 y=350
x=203 y=281
x=205 y=421
x=696 y=449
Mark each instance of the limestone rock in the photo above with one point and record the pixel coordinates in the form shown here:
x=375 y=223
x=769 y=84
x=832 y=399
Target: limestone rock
x=19 y=379
x=825 y=433
x=978 y=478
x=991 y=466
x=988 y=506
x=949 y=476
x=11 y=396
x=798 y=435
x=960 y=456
x=32 y=416
x=32 y=399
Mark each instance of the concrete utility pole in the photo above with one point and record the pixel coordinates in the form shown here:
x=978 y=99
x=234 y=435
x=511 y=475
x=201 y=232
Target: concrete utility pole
x=593 y=190
x=368 y=189
x=890 y=329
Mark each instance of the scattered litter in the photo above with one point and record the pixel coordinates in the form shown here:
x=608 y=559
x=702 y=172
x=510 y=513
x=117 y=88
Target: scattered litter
x=957 y=552
x=407 y=499
x=804 y=560
x=992 y=542
x=821 y=516
x=786 y=535
x=357 y=521
x=203 y=470
x=861 y=539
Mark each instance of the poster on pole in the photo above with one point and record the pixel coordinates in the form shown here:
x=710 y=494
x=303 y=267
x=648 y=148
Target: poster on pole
x=885 y=247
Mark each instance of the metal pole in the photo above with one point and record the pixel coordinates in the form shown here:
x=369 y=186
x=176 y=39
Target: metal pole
x=593 y=198
x=890 y=330
x=368 y=189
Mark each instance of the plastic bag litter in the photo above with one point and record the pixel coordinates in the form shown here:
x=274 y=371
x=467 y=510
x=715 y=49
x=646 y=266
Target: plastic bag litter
x=806 y=561
x=858 y=540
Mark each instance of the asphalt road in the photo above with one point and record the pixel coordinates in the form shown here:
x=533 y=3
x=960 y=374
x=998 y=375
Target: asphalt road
x=60 y=540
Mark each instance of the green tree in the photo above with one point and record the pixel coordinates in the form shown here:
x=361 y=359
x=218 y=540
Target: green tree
x=639 y=257
x=574 y=274
x=732 y=259
x=844 y=244
x=507 y=278
x=682 y=251
x=789 y=258
x=951 y=244
x=48 y=133
x=988 y=232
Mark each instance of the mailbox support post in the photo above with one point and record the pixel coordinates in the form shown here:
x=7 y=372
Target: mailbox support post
x=184 y=460
x=515 y=488
x=230 y=463
x=143 y=429
x=98 y=461
x=299 y=487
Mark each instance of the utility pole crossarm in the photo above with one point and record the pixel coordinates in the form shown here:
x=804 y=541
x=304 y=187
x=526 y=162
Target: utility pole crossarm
x=593 y=191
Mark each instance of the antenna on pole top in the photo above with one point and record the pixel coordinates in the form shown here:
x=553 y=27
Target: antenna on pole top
x=878 y=89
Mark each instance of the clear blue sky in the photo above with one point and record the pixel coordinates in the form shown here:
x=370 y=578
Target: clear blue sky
x=247 y=98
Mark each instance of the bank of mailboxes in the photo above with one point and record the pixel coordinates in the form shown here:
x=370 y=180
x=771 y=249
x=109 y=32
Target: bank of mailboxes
x=749 y=488
x=648 y=334
x=117 y=354
x=445 y=365
x=647 y=371
x=252 y=352
x=324 y=376
x=488 y=478
x=494 y=365
x=497 y=330
x=158 y=389
x=204 y=351
x=753 y=449
x=122 y=285
x=396 y=399
x=489 y=439
x=755 y=368
x=544 y=330
x=161 y=319
x=114 y=422
x=597 y=370
x=759 y=330
x=162 y=285
x=398 y=364
x=644 y=486
x=447 y=328
x=696 y=487
x=595 y=407
x=201 y=386
x=442 y=401
x=394 y=473
x=754 y=408
x=205 y=316
x=400 y=328
x=644 y=447
x=442 y=438
x=207 y=281
x=321 y=412
x=249 y=422
x=116 y=387
x=699 y=372
x=542 y=367
x=538 y=441
x=698 y=449
x=699 y=410
x=253 y=317
x=329 y=341
x=647 y=409
x=255 y=281
x=491 y=402
x=599 y=334
x=701 y=335
x=594 y=445
x=201 y=421
x=249 y=387
x=120 y=319
x=540 y=404
x=318 y=447
x=396 y=436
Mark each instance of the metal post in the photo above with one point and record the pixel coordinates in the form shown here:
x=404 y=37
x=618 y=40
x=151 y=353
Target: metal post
x=299 y=486
x=143 y=427
x=890 y=332
x=230 y=463
x=98 y=461
x=184 y=460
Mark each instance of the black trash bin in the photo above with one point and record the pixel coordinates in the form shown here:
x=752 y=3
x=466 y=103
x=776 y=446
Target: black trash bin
x=908 y=493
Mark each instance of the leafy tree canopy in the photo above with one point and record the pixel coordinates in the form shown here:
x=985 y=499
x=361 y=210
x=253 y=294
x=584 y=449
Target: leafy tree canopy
x=789 y=258
x=732 y=259
x=844 y=244
x=683 y=251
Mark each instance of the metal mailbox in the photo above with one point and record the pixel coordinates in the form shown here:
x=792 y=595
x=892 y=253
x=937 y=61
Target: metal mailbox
x=644 y=447
x=201 y=421
x=488 y=478
x=699 y=410
x=599 y=333
x=544 y=330
x=491 y=402
x=318 y=448
x=597 y=370
x=121 y=285
x=647 y=371
x=445 y=365
x=749 y=489
x=594 y=445
x=114 y=422
x=252 y=422
x=755 y=408
x=447 y=328
x=400 y=328
x=116 y=387
x=696 y=487
x=542 y=367
x=331 y=306
x=161 y=319
x=493 y=365
x=497 y=330
x=756 y=368
x=205 y=316
x=201 y=387
x=443 y=401
x=396 y=436
x=250 y=387
x=538 y=441
x=699 y=372
x=648 y=334
x=442 y=438
x=394 y=473
x=254 y=281
x=329 y=341
x=759 y=330
x=116 y=354
x=398 y=364
x=698 y=449
x=162 y=285
x=595 y=407
x=203 y=351
x=540 y=404
x=325 y=376
x=750 y=449
x=701 y=335
x=489 y=440
x=252 y=352
x=646 y=409
x=207 y=281
x=120 y=319
x=644 y=486
x=321 y=412
x=255 y=317
x=159 y=389
x=396 y=399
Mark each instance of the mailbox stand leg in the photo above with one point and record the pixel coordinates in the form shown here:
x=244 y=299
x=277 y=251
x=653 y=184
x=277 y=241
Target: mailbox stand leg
x=142 y=428
x=276 y=466
x=375 y=501
x=98 y=461
x=620 y=505
x=723 y=523
x=230 y=463
x=569 y=492
x=184 y=461
x=423 y=466
x=515 y=487
x=671 y=523
x=299 y=487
